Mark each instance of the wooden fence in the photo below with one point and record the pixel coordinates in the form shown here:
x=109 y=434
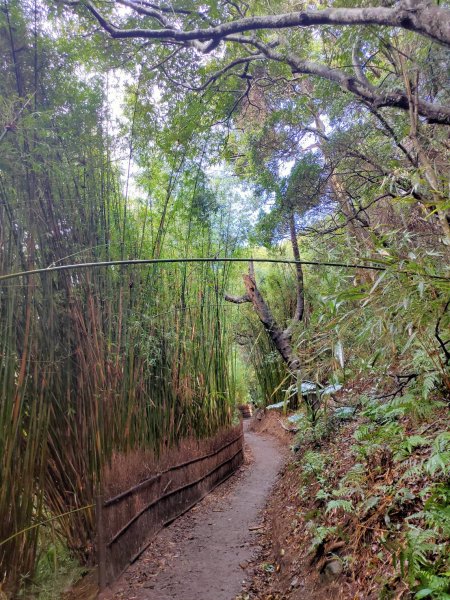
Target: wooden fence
x=127 y=522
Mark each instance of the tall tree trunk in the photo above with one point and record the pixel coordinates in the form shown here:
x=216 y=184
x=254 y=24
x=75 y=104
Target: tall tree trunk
x=281 y=338
x=300 y=306
x=358 y=231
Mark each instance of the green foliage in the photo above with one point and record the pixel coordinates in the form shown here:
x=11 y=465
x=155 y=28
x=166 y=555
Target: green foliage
x=439 y=461
x=313 y=466
x=341 y=504
x=55 y=569
x=98 y=361
x=424 y=562
x=319 y=535
x=105 y=361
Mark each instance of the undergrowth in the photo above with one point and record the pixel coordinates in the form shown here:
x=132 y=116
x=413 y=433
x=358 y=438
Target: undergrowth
x=387 y=499
x=56 y=569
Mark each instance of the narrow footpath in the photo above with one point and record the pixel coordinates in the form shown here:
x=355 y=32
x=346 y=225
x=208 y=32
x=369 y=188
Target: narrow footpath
x=203 y=555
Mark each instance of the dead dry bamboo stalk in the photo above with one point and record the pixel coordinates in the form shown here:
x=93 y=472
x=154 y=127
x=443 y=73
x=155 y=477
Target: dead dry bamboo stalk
x=101 y=543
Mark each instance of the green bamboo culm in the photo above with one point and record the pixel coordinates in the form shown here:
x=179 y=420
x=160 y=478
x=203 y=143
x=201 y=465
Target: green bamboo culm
x=98 y=361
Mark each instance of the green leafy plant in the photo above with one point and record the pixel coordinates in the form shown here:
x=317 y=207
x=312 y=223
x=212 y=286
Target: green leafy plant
x=424 y=562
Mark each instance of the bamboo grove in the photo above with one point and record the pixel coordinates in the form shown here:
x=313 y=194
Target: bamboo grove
x=101 y=361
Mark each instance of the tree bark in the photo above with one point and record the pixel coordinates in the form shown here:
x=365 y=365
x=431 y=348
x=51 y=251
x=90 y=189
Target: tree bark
x=414 y=15
x=281 y=338
x=300 y=306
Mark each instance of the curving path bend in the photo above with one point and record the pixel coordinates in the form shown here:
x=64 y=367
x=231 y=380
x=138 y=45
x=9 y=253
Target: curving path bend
x=203 y=555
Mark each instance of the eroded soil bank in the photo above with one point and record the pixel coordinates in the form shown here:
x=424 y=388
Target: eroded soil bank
x=205 y=554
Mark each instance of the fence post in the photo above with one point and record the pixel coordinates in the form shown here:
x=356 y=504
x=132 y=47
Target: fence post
x=101 y=547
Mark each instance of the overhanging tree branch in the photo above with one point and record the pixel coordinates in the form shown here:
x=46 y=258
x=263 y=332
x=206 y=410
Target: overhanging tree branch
x=238 y=299
x=413 y=15
x=420 y=17
x=375 y=98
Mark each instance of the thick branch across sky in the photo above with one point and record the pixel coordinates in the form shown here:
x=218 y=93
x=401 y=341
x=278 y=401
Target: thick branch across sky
x=421 y=17
x=370 y=95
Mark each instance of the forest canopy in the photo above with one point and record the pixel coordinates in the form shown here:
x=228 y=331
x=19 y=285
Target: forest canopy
x=311 y=132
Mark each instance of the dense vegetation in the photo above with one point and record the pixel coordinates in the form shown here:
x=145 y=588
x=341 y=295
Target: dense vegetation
x=240 y=134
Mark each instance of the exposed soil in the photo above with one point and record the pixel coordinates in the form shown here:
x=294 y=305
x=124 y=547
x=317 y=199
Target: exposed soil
x=206 y=554
x=284 y=568
x=287 y=568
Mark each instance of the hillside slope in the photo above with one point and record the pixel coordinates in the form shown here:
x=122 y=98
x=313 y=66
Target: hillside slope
x=362 y=509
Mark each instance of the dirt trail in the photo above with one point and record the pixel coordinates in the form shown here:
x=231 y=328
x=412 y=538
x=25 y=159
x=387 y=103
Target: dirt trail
x=202 y=555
